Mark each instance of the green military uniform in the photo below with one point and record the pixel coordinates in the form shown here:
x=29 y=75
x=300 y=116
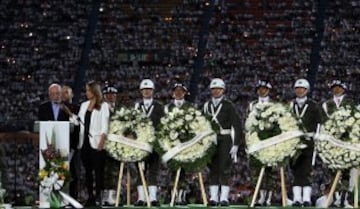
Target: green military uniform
x=152 y=163
x=329 y=107
x=226 y=116
x=111 y=168
x=263 y=88
x=270 y=174
x=308 y=112
x=310 y=116
x=155 y=111
x=181 y=193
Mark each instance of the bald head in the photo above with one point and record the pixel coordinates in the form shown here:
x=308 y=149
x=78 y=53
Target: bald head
x=54 y=92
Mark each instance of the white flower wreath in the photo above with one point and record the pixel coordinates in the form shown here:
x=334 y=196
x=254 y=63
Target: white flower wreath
x=338 y=143
x=185 y=138
x=273 y=133
x=130 y=135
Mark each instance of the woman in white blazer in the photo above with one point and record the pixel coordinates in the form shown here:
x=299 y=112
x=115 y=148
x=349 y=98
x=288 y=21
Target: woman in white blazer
x=94 y=118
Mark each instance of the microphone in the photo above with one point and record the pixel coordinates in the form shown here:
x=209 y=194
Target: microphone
x=65 y=108
x=71 y=114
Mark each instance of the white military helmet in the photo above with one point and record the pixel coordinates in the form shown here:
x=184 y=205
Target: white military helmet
x=263 y=83
x=147 y=84
x=302 y=83
x=340 y=83
x=217 y=83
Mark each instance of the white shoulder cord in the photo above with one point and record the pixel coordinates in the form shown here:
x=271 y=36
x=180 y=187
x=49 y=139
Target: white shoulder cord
x=166 y=109
x=324 y=106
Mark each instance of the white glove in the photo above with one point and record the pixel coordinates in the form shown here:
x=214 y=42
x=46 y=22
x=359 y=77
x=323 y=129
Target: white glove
x=233 y=152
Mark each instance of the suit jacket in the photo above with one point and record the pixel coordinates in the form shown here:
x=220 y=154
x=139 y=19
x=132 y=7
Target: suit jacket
x=227 y=118
x=99 y=123
x=46 y=113
x=74 y=135
x=157 y=111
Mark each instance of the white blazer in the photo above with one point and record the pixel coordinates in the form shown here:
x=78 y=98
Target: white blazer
x=99 y=123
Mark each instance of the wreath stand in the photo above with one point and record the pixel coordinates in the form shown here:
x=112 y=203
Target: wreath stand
x=258 y=184
x=174 y=190
x=334 y=184
x=118 y=190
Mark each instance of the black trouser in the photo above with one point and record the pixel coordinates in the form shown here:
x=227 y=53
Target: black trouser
x=221 y=161
x=75 y=173
x=111 y=171
x=269 y=178
x=302 y=167
x=270 y=174
x=152 y=166
x=343 y=184
x=94 y=161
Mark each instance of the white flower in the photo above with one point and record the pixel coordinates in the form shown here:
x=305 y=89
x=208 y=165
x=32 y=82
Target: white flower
x=191 y=122
x=173 y=135
x=345 y=120
x=271 y=114
x=188 y=117
x=129 y=119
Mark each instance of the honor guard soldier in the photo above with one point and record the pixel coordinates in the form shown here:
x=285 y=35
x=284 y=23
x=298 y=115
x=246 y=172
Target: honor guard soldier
x=338 y=89
x=178 y=94
x=153 y=110
x=111 y=165
x=339 y=99
x=179 y=91
x=308 y=113
x=110 y=96
x=263 y=88
x=223 y=112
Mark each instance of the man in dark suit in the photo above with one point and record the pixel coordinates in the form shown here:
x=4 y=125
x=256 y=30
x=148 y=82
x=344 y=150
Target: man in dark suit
x=153 y=110
x=222 y=112
x=51 y=110
x=69 y=107
x=58 y=108
x=309 y=113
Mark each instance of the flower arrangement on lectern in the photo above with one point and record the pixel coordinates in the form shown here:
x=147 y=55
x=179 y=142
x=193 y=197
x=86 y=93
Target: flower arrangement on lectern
x=55 y=174
x=272 y=134
x=186 y=139
x=338 y=142
x=130 y=136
